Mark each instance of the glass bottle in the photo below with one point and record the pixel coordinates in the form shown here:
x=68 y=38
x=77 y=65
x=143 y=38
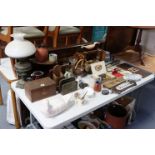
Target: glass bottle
x=97 y=86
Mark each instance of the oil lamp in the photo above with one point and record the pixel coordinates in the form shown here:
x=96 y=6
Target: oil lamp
x=19 y=50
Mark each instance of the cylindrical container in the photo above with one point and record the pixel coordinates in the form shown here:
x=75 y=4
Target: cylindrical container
x=116 y=116
x=53 y=57
x=97 y=86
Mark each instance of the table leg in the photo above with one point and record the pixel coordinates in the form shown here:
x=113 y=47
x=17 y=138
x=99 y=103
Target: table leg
x=16 y=116
x=138 y=47
x=1 y=100
x=31 y=125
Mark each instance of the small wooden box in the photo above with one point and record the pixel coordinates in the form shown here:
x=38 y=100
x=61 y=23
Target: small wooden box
x=40 y=89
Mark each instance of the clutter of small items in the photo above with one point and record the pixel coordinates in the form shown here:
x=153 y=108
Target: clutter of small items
x=83 y=74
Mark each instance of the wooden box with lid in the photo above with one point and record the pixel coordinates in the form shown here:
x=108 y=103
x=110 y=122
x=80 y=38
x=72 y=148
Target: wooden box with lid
x=40 y=89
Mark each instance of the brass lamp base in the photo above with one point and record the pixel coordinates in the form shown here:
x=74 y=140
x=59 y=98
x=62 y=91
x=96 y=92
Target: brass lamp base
x=20 y=84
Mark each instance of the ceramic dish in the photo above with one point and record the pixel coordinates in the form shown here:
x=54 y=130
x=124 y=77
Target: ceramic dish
x=106 y=91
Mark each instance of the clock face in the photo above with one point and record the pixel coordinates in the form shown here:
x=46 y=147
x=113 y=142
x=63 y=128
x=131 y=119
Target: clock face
x=98 y=67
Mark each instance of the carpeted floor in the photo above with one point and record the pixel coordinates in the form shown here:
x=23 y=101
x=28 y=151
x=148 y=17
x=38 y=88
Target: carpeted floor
x=145 y=117
x=3 y=123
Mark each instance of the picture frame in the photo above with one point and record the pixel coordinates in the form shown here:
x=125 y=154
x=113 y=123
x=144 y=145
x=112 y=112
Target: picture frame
x=98 y=68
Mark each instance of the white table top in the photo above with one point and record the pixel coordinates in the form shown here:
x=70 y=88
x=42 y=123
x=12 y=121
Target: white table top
x=6 y=69
x=76 y=111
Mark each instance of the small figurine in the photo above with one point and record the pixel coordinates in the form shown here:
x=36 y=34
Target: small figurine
x=56 y=73
x=91 y=46
x=68 y=73
x=80 y=99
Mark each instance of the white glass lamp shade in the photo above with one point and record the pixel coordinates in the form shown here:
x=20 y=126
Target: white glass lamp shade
x=19 y=47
